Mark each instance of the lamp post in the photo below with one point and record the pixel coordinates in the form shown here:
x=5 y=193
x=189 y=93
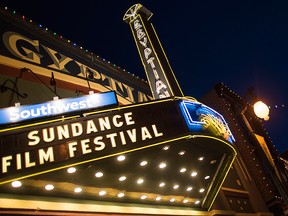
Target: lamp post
x=261 y=110
x=256 y=148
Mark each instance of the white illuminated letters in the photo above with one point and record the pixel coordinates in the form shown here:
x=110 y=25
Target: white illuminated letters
x=72 y=140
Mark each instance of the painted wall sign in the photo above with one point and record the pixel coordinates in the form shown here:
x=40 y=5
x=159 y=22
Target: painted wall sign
x=33 y=48
x=161 y=78
x=57 y=107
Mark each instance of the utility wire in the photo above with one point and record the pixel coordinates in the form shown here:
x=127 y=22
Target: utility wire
x=54 y=91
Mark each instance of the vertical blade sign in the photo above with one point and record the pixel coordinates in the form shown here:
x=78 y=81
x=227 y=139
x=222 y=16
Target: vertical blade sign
x=161 y=78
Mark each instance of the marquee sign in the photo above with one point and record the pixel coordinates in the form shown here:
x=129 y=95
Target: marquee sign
x=161 y=78
x=43 y=148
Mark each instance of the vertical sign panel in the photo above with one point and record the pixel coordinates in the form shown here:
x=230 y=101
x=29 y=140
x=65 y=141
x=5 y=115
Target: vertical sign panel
x=161 y=78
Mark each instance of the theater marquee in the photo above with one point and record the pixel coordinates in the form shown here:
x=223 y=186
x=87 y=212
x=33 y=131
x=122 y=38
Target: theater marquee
x=44 y=147
x=41 y=138
x=48 y=146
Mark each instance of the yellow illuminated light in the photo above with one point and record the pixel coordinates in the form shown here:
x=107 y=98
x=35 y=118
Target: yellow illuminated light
x=102 y=193
x=78 y=190
x=261 y=110
x=99 y=174
x=71 y=170
x=193 y=174
x=49 y=187
x=183 y=170
x=201 y=190
x=121 y=158
x=16 y=184
x=181 y=153
x=140 y=181
x=122 y=178
x=165 y=148
x=213 y=161
x=162 y=165
x=175 y=186
x=121 y=195
x=143 y=163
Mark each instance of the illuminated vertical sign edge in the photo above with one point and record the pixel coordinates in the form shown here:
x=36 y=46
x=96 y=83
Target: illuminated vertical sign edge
x=151 y=74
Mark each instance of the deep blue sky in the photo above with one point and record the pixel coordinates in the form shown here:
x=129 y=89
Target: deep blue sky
x=239 y=43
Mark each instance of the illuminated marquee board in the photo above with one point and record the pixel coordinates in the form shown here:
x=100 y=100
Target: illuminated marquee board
x=106 y=133
x=57 y=107
x=46 y=147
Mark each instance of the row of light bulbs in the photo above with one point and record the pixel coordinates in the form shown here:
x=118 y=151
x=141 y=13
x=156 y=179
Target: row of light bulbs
x=74 y=44
x=50 y=187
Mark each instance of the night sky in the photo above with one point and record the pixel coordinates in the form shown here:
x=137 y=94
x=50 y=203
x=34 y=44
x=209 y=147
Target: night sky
x=240 y=43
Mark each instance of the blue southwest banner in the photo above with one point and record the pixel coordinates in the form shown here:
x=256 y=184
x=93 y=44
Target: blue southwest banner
x=56 y=107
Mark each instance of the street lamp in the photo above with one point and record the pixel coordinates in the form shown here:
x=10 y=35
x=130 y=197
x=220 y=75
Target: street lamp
x=261 y=110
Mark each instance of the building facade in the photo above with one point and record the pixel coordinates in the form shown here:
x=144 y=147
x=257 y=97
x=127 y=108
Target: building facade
x=260 y=161
x=36 y=66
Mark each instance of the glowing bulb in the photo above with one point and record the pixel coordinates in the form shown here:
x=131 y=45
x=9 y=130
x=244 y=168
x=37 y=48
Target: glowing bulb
x=121 y=158
x=162 y=165
x=172 y=200
x=102 y=193
x=143 y=163
x=193 y=174
x=122 y=178
x=158 y=198
x=121 y=195
x=140 y=181
x=71 y=170
x=98 y=174
x=16 y=184
x=49 y=187
x=78 y=190
x=261 y=110
x=183 y=170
